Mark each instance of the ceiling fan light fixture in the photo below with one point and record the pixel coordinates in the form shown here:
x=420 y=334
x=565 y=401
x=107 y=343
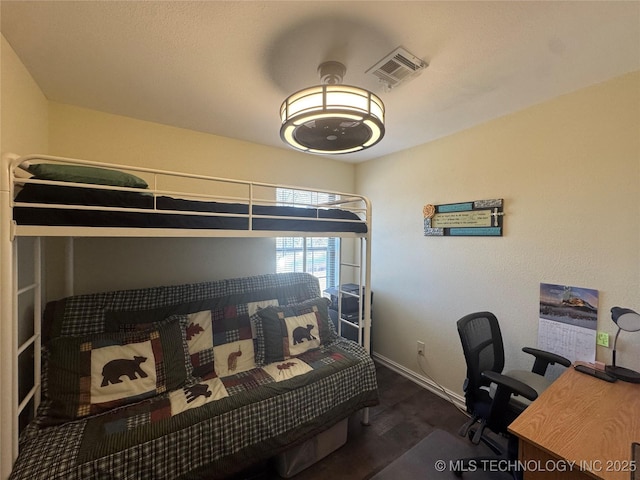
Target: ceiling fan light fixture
x=332 y=118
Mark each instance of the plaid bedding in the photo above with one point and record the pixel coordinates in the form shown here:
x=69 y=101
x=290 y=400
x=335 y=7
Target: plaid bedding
x=213 y=426
x=86 y=314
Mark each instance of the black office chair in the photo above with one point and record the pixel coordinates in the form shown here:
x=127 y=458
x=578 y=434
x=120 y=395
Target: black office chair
x=492 y=398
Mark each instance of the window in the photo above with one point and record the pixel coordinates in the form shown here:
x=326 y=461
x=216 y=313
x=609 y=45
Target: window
x=315 y=255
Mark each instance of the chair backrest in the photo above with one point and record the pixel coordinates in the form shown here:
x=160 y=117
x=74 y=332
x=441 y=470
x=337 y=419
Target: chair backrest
x=483 y=350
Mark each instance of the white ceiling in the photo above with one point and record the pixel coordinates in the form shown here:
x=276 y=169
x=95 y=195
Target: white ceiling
x=224 y=67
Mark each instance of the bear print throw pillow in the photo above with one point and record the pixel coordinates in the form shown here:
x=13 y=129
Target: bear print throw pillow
x=94 y=373
x=294 y=329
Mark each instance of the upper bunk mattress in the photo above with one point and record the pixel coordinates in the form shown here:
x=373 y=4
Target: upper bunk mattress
x=234 y=216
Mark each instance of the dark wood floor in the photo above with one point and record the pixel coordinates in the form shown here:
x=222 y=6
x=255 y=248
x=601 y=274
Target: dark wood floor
x=407 y=413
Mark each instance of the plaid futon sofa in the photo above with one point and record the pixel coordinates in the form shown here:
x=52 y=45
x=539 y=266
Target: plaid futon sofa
x=189 y=381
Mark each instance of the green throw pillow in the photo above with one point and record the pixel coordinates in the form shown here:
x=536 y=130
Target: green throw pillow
x=83 y=174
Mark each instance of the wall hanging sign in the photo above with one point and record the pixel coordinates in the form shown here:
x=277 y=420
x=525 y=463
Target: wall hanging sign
x=479 y=218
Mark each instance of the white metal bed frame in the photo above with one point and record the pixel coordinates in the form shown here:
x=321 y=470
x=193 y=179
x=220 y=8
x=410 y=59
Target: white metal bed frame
x=11 y=406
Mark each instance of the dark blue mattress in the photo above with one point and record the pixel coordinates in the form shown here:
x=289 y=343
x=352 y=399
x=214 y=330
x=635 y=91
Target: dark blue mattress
x=305 y=219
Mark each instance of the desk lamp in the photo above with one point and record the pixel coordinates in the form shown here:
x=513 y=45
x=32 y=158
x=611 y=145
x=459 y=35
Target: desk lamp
x=629 y=321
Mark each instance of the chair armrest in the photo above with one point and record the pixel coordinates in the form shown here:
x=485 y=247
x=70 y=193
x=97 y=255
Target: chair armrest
x=510 y=385
x=506 y=387
x=544 y=359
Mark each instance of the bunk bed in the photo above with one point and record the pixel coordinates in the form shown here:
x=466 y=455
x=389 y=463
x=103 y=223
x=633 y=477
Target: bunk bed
x=47 y=196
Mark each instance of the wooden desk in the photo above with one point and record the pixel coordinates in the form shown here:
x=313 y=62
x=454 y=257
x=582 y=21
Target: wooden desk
x=584 y=420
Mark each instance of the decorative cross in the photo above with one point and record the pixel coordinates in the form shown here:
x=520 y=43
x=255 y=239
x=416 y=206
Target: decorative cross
x=495 y=214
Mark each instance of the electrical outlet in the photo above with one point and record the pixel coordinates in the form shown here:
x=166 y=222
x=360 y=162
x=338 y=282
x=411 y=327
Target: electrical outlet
x=421 y=348
x=602 y=339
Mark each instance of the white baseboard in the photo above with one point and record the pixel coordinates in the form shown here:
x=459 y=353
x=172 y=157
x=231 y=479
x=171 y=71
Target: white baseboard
x=424 y=382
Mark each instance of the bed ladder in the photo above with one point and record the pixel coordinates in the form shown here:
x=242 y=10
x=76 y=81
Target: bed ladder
x=363 y=295
x=21 y=346
x=363 y=323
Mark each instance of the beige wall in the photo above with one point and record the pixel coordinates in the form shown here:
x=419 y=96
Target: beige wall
x=104 y=264
x=569 y=171
x=23 y=106
x=88 y=134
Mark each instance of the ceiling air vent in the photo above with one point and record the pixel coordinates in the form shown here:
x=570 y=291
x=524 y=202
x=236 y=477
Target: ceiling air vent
x=398 y=67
